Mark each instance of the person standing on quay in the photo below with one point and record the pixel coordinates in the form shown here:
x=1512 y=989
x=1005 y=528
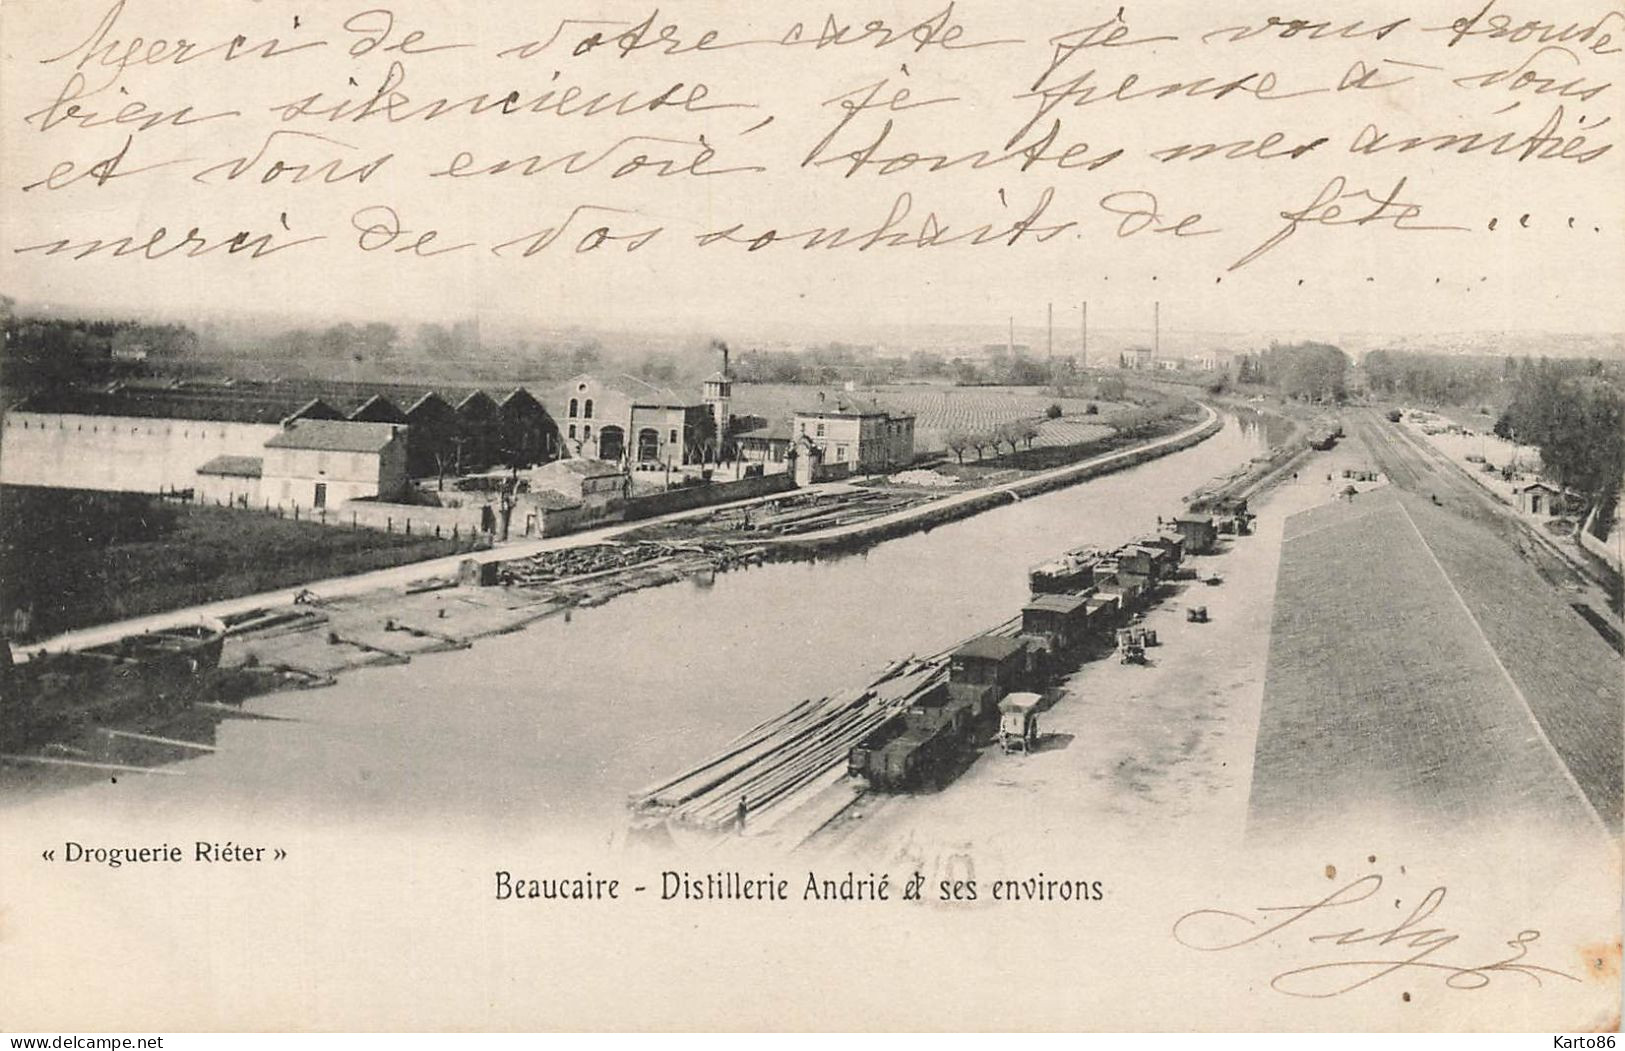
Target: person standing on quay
x=744 y=809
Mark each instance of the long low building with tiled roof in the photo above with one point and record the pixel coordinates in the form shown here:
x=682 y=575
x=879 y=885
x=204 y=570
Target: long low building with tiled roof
x=145 y=436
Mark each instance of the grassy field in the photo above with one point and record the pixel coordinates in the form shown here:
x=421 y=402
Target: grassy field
x=201 y=554
x=939 y=409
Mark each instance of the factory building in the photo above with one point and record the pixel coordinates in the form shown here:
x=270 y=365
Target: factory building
x=94 y=440
x=863 y=434
x=623 y=419
x=324 y=463
x=144 y=436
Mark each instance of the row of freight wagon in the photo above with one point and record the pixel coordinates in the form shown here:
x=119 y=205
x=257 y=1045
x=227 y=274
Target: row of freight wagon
x=1084 y=594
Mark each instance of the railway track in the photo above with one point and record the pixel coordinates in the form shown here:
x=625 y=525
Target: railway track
x=1427 y=473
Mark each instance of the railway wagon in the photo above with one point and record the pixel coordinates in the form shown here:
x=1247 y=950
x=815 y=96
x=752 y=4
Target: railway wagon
x=1071 y=572
x=1061 y=619
x=912 y=758
x=1129 y=592
x=937 y=710
x=1105 y=612
x=1199 y=531
x=983 y=670
x=916 y=744
x=1170 y=544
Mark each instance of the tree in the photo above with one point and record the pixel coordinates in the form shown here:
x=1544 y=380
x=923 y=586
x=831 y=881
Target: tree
x=1027 y=431
x=1053 y=412
x=958 y=441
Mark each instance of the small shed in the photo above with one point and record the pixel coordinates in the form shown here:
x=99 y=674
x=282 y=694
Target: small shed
x=1538 y=498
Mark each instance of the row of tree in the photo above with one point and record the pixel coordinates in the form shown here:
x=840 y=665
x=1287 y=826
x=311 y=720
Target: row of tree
x=1574 y=412
x=1308 y=371
x=1014 y=433
x=44 y=353
x=1437 y=379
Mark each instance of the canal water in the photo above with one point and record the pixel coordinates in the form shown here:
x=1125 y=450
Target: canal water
x=557 y=724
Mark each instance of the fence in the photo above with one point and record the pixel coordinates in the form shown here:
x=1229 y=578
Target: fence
x=1610 y=550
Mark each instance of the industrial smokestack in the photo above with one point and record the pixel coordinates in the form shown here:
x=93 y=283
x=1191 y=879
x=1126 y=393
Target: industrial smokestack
x=722 y=345
x=1083 y=338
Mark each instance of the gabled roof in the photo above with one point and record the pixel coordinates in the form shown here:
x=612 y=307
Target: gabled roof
x=641 y=392
x=855 y=407
x=317 y=409
x=1057 y=603
x=519 y=396
x=428 y=399
x=380 y=410
x=234 y=466
x=343 y=436
x=475 y=398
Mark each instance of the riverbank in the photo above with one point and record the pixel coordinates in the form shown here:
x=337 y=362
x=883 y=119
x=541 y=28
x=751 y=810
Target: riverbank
x=414 y=613
x=963 y=505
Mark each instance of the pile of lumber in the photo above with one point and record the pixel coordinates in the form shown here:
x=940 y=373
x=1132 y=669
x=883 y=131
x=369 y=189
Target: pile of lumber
x=771 y=763
x=551 y=566
x=839 y=509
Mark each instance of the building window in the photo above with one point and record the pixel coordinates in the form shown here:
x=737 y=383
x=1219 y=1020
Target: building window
x=840 y=452
x=572 y=428
x=673 y=438
x=587 y=412
x=573 y=407
x=820 y=430
x=586 y=431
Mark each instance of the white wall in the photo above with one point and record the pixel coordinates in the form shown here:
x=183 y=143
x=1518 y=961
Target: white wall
x=118 y=453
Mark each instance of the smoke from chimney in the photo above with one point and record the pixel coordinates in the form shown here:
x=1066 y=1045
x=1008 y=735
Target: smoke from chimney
x=717 y=344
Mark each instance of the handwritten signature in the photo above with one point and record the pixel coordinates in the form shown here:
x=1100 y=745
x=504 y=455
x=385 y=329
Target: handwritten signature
x=1407 y=946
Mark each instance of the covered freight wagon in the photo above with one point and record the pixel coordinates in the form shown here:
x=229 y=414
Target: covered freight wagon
x=986 y=668
x=1199 y=532
x=1062 y=619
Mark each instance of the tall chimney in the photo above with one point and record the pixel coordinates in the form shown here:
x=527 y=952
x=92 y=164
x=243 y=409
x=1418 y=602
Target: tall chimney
x=1083 y=338
x=725 y=361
